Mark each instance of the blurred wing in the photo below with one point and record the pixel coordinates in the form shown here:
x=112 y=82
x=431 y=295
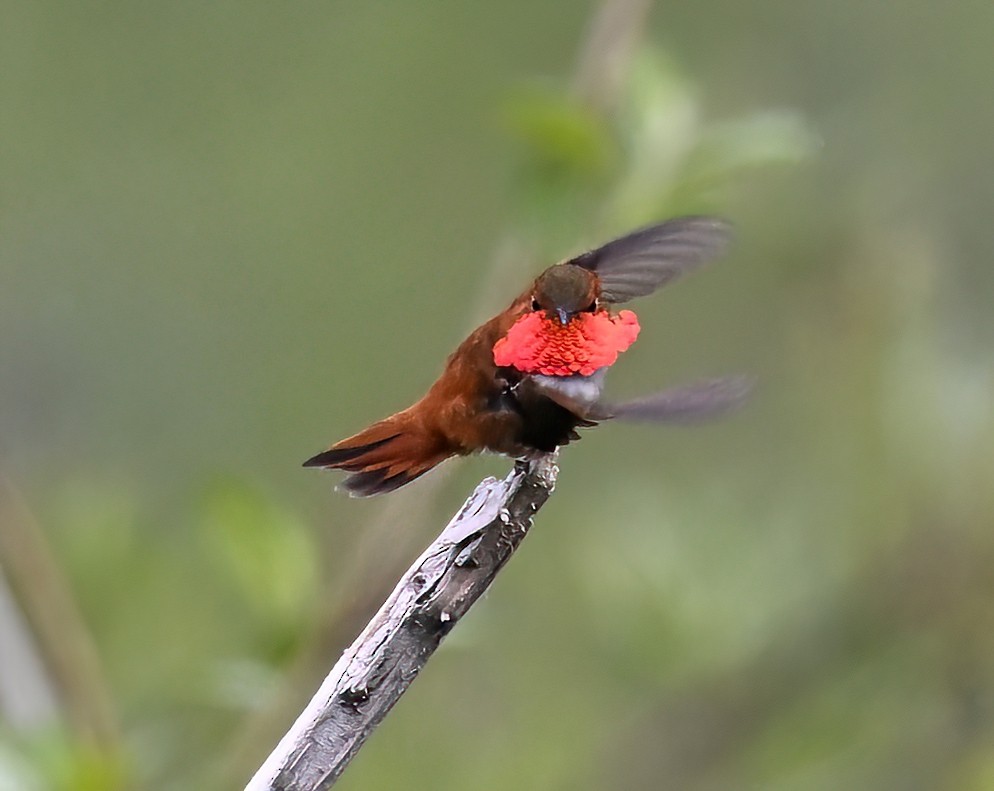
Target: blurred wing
x=642 y=261
x=691 y=403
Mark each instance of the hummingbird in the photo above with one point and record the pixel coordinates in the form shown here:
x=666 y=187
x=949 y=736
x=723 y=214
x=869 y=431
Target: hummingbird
x=523 y=382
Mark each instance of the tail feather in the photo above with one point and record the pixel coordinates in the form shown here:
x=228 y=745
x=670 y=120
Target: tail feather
x=383 y=457
x=380 y=481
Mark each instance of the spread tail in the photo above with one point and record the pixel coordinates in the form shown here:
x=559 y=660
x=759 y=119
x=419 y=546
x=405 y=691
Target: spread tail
x=383 y=457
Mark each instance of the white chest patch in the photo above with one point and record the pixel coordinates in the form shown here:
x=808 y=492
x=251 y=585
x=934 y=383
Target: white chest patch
x=582 y=389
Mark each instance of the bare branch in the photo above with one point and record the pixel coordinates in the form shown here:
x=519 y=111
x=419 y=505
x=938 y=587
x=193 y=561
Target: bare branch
x=62 y=636
x=430 y=599
x=613 y=37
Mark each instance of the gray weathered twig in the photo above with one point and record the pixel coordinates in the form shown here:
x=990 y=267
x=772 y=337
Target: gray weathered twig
x=429 y=600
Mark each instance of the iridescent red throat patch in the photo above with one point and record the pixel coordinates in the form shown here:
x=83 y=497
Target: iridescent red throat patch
x=537 y=344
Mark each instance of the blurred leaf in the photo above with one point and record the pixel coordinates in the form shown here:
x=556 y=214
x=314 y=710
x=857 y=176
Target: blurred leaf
x=562 y=138
x=243 y=683
x=568 y=158
x=267 y=550
x=60 y=764
x=777 y=137
x=659 y=124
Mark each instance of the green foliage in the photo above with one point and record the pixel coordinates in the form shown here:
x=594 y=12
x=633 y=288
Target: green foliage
x=567 y=145
x=655 y=156
x=266 y=551
x=226 y=238
x=54 y=761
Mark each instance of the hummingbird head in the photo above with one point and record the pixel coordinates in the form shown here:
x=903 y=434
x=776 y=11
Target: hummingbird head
x=564 y=290
x=566 y=332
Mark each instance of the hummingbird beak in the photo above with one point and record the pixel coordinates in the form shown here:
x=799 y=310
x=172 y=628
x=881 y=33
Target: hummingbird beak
x=563 y=316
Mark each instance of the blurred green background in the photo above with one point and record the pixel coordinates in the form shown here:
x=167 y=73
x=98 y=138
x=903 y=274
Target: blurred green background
x=231 y=233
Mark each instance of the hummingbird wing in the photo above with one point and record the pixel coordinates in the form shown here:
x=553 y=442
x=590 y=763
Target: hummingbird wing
x=696 y=402
x=642 y=261
x=693 y=403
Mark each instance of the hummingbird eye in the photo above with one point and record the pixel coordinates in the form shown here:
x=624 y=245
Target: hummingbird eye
x=591 y=308
x=535 y=305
